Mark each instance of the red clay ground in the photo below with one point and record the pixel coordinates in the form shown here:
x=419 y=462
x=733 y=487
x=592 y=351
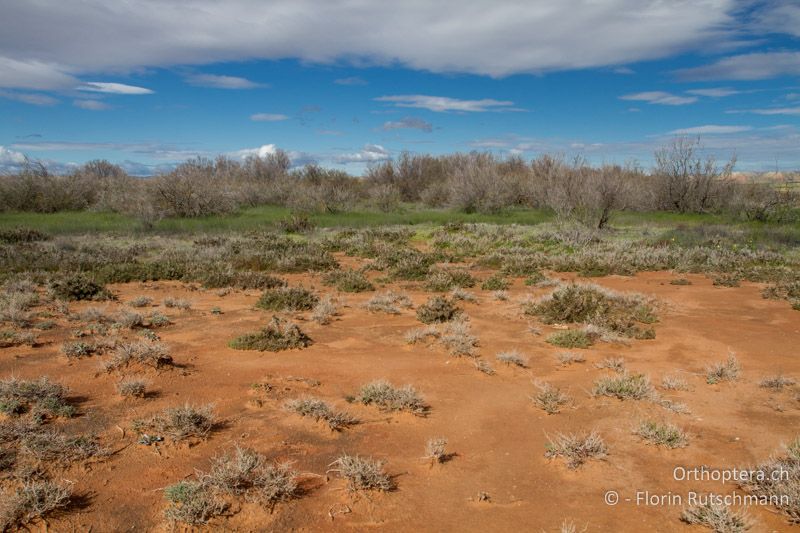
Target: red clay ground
x=491 y=424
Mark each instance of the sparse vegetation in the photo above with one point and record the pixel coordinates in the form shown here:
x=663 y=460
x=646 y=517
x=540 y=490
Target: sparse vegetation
x=548 y=398
x=389 y=302
x=674 y=383
x=777 y=382
x=362 y=473
x=726 y=371
x=495 y=283
x=624 y=386
x=325 y=310
x=141 y=301
x=41 y=397
x=77 y=287
x=437 y=309
x=512 y=357
x=779 y=481
x=615 y=364
x=35 y=499
x=384 y=395
x=662 y=434
x=569 y=358
x=150 y=354
x=436 y=450
x=484 y=367
x=180 y=423
x=348 y=281
x=191 y=502
x=576 y=449
x=619 y=313
x=177 y=303
x=717 y=517
x=570 y=338
x=278 y=335
x=320 y=410
x=287 y=299
x=132 y=388
x=442 y=280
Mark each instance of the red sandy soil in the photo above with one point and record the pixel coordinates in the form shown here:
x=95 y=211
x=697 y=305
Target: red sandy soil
x=499 y=436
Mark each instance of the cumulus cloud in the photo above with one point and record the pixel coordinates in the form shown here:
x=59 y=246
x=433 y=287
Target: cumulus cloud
x=29 y=98
x=91 y=105
x=408 y=123
x=442 y=104
x=261 y=152
x=710 y=129
x=268 y=117
x=659 y=97
x=371 y=153
x=11 y=157
x=112 y=88
x=502 y=38
x=754 y=66
x=352 y=80
x=221 y=82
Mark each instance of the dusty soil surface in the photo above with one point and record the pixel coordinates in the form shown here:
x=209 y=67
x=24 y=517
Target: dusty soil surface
x=496 y=433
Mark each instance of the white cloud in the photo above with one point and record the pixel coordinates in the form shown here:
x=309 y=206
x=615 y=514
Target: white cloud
x=780 y=17
x=659 y=97
x=221 y=82
x=754 y=66
x=10 y=157
x=29 y=98
x=441 y=104
x=710 y=129
x=30 y=73
x=487 y=37
x=408 y=123
x=352 y=80
x=371 y=153
x=112 y=88
x=91 y=105
x=268 y=117
x=260 y=152
x=627 y=71
x=714 y=92
x=771 y=111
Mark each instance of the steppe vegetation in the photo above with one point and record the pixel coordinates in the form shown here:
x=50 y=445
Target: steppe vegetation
x=456 y=295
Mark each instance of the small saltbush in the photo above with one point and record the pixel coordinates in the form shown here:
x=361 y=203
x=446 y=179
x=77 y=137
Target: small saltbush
x=387 y=397
x=495 y=282
x=437 y=309
x=348 y=281
x=287 y=299
x=570 y=338
x=362 y=473
x=576 y=449
x=278 y=335
x=77 y=287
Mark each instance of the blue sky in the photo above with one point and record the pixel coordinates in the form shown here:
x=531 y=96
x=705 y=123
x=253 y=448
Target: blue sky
x=345 y=83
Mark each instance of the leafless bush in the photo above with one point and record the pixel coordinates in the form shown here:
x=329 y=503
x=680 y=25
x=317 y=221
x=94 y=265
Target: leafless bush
x=688 y=182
